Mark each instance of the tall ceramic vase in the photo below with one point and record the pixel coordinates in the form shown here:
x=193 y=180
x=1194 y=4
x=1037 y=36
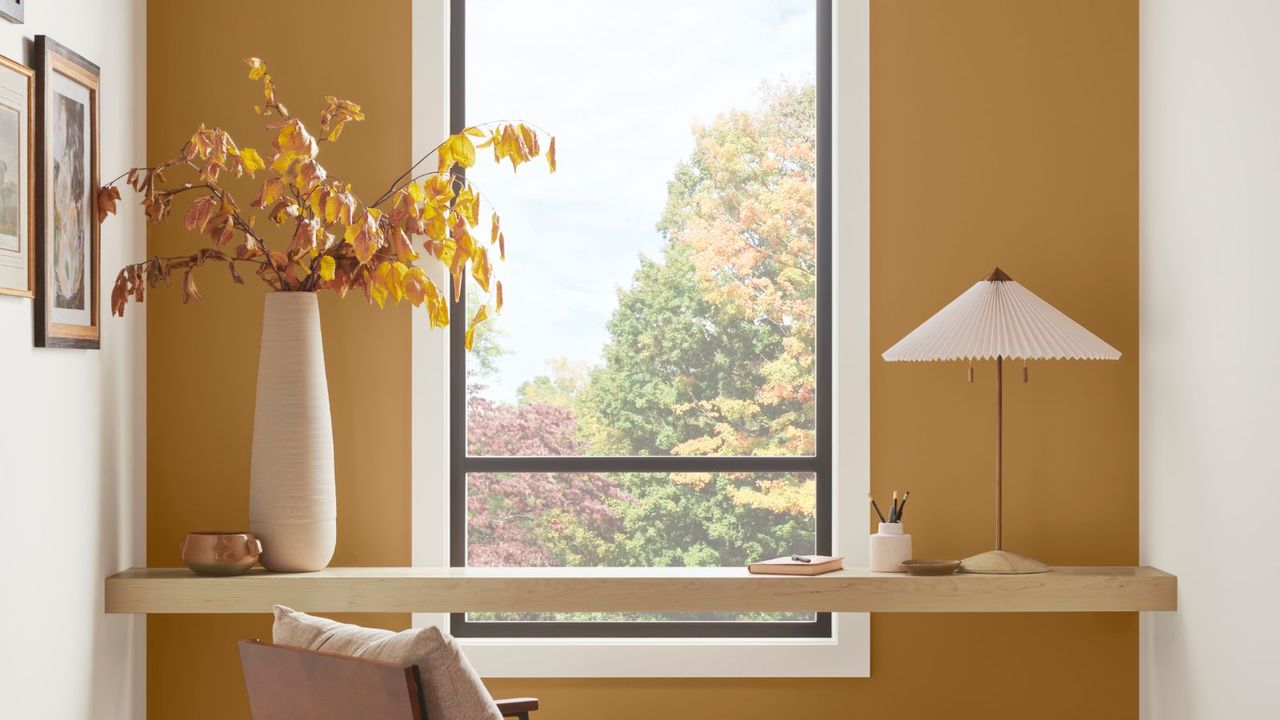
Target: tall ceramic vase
x=293 y=506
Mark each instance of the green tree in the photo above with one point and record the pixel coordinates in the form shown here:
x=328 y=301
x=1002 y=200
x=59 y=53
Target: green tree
x=711 y=347
x=710 y=352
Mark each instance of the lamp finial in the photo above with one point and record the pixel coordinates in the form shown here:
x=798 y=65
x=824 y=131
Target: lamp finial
x=998 y=275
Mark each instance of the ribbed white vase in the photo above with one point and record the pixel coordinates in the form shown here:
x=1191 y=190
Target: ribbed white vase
x=293 y=504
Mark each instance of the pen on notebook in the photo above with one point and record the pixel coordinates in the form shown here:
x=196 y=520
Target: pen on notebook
x=801 y=558
x=874 y=507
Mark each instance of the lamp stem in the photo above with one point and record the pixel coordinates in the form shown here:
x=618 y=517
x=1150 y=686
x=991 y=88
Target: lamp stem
x=999 y=453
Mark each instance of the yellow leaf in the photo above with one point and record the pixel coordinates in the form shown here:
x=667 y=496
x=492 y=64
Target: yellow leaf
x=551 y=154
x=464 y=151
x=271 y=191
x=493 y=231
x=294 y=141
x=286 y=208
x=498 y=292
x=331 y=207
x=416 y=192
x=530 y=139
x=437 y=306
x=400 y=243
x=281 y=163
x=480 y=267
x=389 y=278
x=415 y=285
x=400 y=268
x=252 y=160
x=474 y=132
x=479 y=317
x=468 y=204
x=257 y=68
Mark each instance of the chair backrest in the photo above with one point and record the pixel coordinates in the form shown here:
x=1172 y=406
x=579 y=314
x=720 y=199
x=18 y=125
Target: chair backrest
x=286 y=683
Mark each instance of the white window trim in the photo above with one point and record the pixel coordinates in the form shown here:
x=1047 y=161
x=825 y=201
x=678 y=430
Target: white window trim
x=847 y=652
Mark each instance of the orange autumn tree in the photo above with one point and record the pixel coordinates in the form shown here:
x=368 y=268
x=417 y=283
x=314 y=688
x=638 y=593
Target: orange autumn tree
x=329 y=238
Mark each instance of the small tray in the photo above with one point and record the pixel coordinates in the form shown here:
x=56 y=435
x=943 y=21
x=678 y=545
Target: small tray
x=931 y=567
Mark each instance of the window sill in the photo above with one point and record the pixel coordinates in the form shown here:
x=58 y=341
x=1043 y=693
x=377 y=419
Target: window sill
x=677 y=657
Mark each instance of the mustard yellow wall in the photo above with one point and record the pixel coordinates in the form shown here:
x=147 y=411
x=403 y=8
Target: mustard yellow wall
x=202 y=358
x=1003 y=132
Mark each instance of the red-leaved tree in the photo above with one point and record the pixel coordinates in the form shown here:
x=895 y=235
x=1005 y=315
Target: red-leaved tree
x=534 y=519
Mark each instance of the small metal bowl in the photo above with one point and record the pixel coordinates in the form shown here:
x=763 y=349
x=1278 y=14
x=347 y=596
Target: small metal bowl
x=220 y=553
x=931 y=567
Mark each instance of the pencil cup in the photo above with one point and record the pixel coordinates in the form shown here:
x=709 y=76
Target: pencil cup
x=889 y=548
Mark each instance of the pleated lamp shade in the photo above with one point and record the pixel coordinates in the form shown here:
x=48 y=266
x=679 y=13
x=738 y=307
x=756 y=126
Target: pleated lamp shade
x=997 y=317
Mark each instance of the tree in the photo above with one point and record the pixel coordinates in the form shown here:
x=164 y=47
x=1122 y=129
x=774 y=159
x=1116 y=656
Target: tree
x=560 y=387
x=530 y=519
x=710 y=352
x=744 y=207
x=534 y=519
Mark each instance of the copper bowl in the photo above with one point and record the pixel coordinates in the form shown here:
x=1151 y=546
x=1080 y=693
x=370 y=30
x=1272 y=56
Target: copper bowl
x=930 y=567
x=220 y=552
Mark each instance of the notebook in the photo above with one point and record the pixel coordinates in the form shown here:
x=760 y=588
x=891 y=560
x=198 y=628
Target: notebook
x=817 y=565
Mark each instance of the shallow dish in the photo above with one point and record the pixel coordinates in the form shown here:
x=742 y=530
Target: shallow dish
x=220 y=552
x=930 y=567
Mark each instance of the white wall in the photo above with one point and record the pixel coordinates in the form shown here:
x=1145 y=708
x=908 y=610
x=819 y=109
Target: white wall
x=72 y=462
x=1210 y=290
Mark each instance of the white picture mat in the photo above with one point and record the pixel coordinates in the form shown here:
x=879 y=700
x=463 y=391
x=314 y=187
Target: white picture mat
x=15 y=250
x=65 y=86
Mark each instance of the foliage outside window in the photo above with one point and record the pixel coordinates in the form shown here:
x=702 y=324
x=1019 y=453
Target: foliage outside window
x=710 y=349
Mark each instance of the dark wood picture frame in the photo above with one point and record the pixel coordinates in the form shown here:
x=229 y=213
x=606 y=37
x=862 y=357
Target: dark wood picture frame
x=52 y=60
x=26 y=189
x=13 y=10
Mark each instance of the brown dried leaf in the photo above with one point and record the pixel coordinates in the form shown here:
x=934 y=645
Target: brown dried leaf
x=106 y=204
x=189 y=291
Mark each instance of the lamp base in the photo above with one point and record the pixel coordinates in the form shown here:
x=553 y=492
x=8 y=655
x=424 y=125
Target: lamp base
x=999 y=562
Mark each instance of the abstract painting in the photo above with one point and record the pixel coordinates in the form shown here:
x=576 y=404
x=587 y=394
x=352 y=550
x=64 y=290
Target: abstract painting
x=67 y=177
x=70 y=199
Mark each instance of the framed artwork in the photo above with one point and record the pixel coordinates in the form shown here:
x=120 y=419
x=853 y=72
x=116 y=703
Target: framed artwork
x=66 y=229
x=13 y=10
x=17 y=258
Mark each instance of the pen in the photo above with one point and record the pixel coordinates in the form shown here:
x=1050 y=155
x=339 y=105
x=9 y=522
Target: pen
x=800 y=558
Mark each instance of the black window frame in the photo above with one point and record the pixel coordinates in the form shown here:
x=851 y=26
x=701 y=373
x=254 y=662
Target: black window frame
x=818 y=464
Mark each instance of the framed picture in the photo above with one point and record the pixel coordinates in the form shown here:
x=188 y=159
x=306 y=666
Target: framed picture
x=66 y=228
x=17 y=258
x=13 y=10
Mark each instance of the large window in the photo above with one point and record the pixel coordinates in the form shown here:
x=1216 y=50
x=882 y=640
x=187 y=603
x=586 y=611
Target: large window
x=656 y=390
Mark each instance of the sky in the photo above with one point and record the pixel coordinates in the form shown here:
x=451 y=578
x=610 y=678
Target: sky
x=620 y=85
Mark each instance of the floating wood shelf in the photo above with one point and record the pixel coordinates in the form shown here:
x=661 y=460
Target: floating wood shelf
x=1066 y=589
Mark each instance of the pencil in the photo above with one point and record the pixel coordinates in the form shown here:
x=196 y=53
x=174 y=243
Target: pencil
x=893 y=511
x=903 y=506
x=873 y=507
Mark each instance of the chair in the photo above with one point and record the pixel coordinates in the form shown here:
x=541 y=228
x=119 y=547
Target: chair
x=287 y=683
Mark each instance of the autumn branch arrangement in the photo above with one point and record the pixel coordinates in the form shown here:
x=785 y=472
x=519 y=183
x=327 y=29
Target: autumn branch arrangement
x=336 y=241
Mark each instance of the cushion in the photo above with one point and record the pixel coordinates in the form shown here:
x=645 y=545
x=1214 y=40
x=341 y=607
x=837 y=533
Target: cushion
x=453 y=689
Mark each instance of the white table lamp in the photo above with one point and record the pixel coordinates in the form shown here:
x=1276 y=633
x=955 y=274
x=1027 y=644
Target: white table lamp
x=998 y=319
